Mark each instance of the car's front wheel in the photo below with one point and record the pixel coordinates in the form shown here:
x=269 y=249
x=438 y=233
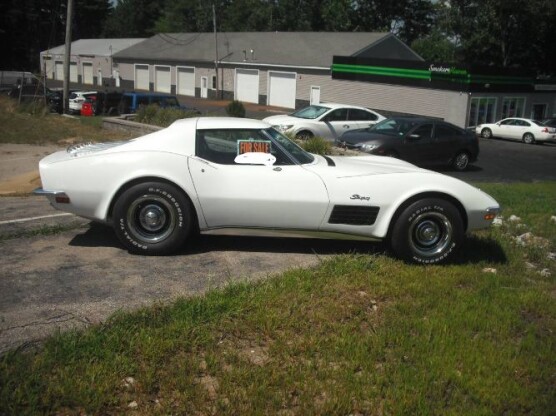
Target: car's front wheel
x=304 y=135
x=486 y=133
x=152 y=218
x=427 y=231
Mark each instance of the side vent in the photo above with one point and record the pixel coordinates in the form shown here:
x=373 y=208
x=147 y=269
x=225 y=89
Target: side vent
x=353 y=215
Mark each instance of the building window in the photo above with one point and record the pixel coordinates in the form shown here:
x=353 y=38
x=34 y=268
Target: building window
x=482 y=110
x=513 y=107
x=213 y=82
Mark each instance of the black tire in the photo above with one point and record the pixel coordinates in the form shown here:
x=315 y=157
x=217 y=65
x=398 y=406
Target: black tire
x=427 y=231
x=304 y=135
x=461 y=161
x=528 y=138
x=486 y=133
x=152 y=218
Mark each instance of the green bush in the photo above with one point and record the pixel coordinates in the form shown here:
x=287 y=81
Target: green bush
x=235 y=109
x=317 y=145
x=153 y=114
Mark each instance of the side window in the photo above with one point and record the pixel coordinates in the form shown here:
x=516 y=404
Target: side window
x=443 y=131
x=509 y=122
x=424 y=131
x=339 y=114
x=356 y=114
x=222 y=146
x=142 y=100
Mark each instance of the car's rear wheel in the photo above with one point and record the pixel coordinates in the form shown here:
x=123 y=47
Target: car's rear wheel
x=461 y=161
x=152 y=218
x=486 y=133
x=528 y=138
x=427 y=231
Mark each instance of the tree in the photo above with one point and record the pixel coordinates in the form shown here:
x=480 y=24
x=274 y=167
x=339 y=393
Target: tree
x=133 y=19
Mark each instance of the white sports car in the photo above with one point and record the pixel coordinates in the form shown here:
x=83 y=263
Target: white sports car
x=204 y=174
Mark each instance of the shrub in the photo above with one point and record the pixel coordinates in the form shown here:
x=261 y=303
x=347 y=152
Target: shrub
x=317 y=145
x=36 y=108
x=163 y=117
x=235 y=109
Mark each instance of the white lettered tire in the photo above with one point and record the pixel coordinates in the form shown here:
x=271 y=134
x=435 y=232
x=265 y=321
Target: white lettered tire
x=152 y=218
x=428 y=231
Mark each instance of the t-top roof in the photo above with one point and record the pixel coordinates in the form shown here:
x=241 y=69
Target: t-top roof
x=304 y=49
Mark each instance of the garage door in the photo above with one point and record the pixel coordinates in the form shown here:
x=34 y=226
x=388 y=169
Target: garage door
x=247 y=85
x=73 y=72
x=281 y=89
x=186 y=81
x=162 y=80
x=142 y=77
x=87 y=73
x=59 y=71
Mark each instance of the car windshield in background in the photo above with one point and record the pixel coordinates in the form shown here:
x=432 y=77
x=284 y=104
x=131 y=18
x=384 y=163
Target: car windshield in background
x=393 y=127
x=297 y=152
x=311 y=112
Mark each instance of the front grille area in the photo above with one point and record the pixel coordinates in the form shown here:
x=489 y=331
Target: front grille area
x=353 y=215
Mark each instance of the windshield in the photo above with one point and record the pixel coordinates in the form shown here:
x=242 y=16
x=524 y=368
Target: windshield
x=311 y=112
x=297 y=152
x=393 y=127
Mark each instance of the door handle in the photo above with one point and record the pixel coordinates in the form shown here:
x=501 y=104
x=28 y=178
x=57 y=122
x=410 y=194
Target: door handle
x=346 y=126
x=277 y=169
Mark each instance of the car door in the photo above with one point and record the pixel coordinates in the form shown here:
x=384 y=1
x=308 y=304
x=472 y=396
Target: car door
x=282 y=195
x=447 y=140
x=506 y=129
x=361 y=119
x=335 y=123
x=419 y=143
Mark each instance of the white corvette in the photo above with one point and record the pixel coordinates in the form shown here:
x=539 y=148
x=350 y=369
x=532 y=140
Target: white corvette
x=204 y=174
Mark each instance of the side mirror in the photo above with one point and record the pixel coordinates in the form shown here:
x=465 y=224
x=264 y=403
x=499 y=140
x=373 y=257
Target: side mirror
x=255 y=158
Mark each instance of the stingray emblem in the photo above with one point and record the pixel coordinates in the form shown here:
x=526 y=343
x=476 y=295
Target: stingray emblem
x=360 y=198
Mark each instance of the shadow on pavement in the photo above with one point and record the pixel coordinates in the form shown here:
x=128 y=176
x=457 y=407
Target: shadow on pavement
x=474 y=249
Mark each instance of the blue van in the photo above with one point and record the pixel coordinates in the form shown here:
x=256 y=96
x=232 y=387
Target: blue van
x=131 y=101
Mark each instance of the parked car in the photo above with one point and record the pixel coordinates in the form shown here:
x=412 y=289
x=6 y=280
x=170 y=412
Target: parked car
x=205 y=174
x=103 y=103
x=132 y=101
x=77 y=98
x=419 y=140
x=327 y=120
x=524 y=129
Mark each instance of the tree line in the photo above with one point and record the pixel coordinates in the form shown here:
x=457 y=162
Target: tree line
x=506 y=33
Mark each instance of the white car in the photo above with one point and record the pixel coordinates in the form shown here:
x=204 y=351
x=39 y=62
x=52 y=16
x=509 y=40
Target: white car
x=205 y=174
x=327 y=120
x=524 y=129
x=77 y=98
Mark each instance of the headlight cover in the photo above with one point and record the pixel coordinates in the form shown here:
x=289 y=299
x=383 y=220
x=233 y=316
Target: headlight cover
x=368 y=147
x=283 y=127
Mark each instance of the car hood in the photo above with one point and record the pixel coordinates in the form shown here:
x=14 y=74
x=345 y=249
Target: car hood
x=362 y=136
x=281 y=119
x=354 y=166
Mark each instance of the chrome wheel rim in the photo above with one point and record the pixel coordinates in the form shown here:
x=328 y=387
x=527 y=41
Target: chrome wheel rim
x=150 y=219
x=430 y=234
x=462 y=160
x=528 y=139
x=486 y=133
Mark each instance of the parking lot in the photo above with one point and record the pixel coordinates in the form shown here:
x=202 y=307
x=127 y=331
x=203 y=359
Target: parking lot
x=79 y=274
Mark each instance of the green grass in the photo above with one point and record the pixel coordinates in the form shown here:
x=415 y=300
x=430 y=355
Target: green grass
x=22 y=125
x=359 y=334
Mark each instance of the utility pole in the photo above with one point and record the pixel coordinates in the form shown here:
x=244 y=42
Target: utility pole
x=67 y=54
x=215 y=49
